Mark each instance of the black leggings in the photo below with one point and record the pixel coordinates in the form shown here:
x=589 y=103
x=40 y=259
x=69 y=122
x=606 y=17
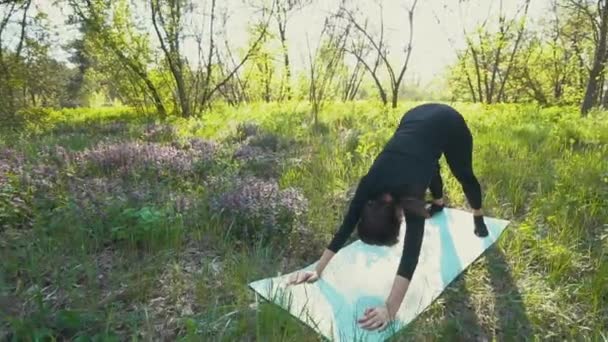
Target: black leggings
x=459 y=156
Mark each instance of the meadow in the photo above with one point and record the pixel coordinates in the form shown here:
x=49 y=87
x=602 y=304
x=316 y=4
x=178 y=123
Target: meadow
x=119 y=226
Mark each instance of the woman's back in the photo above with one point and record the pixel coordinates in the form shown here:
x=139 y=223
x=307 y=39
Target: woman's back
x=424 y=131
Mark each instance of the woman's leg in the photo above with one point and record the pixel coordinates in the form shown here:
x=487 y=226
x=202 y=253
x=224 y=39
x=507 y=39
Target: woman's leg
x=459 y=157
x=436 y=187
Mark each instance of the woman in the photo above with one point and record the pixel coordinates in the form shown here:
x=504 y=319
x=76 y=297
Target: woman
x=395 y=186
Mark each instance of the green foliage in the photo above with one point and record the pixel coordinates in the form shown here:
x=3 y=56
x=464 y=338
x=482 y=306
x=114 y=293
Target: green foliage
x=548 y=64
x=146 y=224
x=109 y=258
x=29 y=75
x=261 y=72
x=14 y=209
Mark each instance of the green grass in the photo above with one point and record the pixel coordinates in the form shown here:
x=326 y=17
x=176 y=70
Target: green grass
x=139 y=265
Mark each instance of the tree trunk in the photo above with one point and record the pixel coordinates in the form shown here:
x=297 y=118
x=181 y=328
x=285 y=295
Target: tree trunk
x=286 y=63
x=397 y=82
x=478 y=73
x=172 y=55
x=143 y=75
x=395 y=97
x=490 y=93
x=600 y=93
x=598 y=64
x=107 y=42
x=605 y=97
x=520 y=34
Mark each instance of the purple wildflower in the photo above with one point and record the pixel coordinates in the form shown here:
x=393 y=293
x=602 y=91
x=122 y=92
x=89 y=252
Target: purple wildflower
x=249 y=153
x=203 y=149
x=266 y=141
x=132 y=156
x=182 y=203
x=257 y=203
x=159 y=132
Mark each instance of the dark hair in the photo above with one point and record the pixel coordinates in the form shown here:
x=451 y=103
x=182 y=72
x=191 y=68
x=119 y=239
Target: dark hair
x=380 y=220
x=379 y=224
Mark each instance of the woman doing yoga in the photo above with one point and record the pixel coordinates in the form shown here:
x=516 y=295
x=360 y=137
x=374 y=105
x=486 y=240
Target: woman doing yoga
x=395 y=186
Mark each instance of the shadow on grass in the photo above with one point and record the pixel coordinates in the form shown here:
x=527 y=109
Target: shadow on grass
x=507 y=320
x=512 y=322
x=461 y=319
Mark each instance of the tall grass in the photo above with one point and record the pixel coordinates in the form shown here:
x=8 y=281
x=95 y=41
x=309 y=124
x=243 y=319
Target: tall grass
x=139 y=250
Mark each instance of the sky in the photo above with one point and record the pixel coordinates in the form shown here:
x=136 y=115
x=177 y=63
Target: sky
x=438 y=27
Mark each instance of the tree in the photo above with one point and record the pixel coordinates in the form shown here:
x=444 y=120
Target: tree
x=597 y=14
x=11 y=60
x=120 y=39
x=259 y=74
x=548 y=68
x=282 y=15
x=323 y=64
x=80 y=57
x=352 y=78
x=381 y=49
x=492 y=56
x=167 y=19
x=218 y=68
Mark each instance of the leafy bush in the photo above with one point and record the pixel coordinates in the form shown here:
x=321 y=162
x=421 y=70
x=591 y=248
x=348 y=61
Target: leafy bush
x=141 y=225
x=32 y=119
x=266 y=141
x=257 y=208
x=245 y=130
x=14 y=208
x=350 y=139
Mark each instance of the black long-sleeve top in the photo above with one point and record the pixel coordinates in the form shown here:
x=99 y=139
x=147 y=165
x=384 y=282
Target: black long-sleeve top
x=407 y=161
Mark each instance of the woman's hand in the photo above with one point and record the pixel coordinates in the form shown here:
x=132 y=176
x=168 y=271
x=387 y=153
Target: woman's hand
x=314 y=275
x=375 y=318
x=304 y=276
x=380 y=317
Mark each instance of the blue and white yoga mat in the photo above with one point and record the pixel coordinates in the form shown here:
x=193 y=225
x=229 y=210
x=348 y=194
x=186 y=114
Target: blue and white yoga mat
x=361 y=276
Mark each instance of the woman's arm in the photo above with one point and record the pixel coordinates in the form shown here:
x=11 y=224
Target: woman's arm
x=340 y=237
x=325 y=258
x=378 y=318
x=394 y=300
x=352 y=215
x=409 y=261
x=414 y=232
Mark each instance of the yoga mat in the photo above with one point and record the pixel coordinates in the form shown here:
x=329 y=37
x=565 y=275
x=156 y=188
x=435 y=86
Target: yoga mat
x=361 y=276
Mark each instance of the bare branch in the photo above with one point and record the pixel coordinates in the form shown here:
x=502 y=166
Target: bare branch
x=409 y=45
x=377 y=45
x=515 y=49
x=247 y=56
x=582 y=8
x=372 y=72
x=26 y=7
x=206 y=94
